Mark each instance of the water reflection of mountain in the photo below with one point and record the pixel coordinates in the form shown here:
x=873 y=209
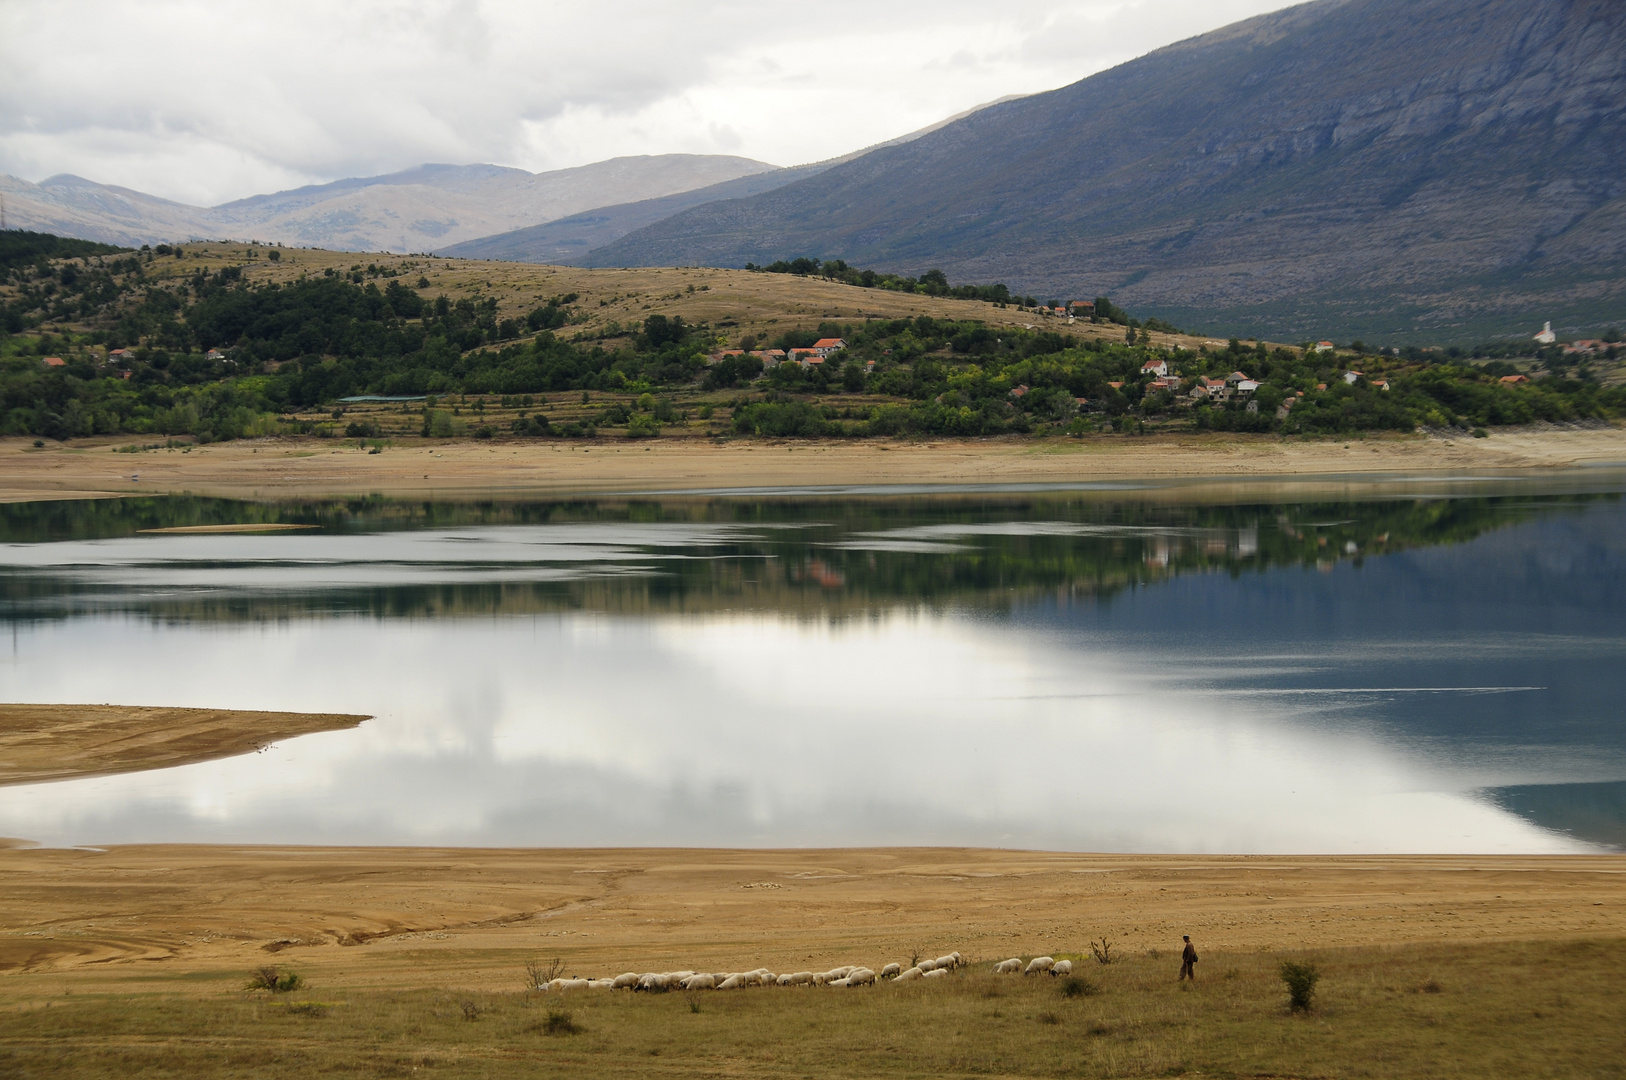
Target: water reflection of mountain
x=818 y=557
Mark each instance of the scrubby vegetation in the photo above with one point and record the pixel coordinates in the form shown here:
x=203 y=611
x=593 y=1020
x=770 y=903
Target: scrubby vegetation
x=208 y=353
x=1519 y=1009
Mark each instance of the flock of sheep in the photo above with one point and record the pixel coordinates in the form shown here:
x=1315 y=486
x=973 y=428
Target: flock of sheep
x=849 y=975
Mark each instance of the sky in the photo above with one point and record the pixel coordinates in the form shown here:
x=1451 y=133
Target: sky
x=204 y=101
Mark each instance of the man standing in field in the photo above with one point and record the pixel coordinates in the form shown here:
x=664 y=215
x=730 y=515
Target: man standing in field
x=1188 y=961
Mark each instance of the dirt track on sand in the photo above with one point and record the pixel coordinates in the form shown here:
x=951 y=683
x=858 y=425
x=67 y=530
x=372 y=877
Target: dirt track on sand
x=474 y=917
x=287 y=468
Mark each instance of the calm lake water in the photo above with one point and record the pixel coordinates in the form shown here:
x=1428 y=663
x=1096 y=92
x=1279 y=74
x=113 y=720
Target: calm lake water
x=1422 y=666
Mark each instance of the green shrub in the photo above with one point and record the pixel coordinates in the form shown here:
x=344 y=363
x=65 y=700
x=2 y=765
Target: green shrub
x=1073 y=986
x=560 y=1023
x=272 y=979
x=1301 y=980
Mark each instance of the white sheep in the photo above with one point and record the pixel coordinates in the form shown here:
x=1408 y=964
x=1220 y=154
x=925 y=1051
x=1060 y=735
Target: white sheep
x=959 y=961
x=937 y=973
x=575 y=984
x=733 y=982
x=1063 y=967
x=1008 y=967
x=837 y=982
x=947 y=962
x=890 y=970
x=861 y=977
x=909 y=975
x=623 y=982
x=1040 y=964
x=699 y=982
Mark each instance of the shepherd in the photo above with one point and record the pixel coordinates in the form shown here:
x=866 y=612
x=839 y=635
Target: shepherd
x=1188 y=960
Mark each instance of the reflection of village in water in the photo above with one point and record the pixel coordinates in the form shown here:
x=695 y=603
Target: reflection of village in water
x=837 y=556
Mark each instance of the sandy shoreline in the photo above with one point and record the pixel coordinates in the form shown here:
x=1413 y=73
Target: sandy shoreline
x=291 y=468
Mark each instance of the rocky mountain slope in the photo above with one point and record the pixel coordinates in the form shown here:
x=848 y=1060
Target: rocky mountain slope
x=1383 y=168
x=570 y=240
x=413 y=210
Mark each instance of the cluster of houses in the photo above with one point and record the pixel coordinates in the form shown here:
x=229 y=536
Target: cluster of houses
x=812 y=356
x=123 y=358
x=1236 y=386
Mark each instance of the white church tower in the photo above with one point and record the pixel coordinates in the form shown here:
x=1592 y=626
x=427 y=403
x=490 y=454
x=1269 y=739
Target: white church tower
x=1546 y=337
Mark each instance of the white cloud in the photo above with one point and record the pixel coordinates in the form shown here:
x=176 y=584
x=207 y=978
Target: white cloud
x=209 y=101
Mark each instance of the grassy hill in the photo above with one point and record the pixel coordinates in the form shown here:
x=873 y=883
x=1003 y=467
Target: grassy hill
x=219 y=341
x=1402 y=171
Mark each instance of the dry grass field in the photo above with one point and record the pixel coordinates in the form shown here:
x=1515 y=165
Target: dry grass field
x=133 y=961
x=735 y=302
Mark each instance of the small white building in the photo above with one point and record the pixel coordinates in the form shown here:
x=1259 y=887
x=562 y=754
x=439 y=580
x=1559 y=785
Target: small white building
x=1546 y=337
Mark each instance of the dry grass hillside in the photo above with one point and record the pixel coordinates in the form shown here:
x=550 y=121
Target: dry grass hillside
x=736 y=302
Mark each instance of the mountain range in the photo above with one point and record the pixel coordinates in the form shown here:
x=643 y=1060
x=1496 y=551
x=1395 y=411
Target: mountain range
x=1398 y=169
x=414 y=210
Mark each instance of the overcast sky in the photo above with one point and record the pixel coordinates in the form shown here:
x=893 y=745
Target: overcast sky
x=208 y=100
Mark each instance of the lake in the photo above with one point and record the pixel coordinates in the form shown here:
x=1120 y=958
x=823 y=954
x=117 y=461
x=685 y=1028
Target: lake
x=1418 y=665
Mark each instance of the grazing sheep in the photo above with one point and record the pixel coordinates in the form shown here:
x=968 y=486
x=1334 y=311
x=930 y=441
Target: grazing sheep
x=927 y=965
x=601 y=984
x=861 y=977
x=947 y=962
x=910 y=974
x=623 y=982
x=800 y=978
x=575 y=984
x=700 y=982
x=891 y=970
x=837 y=982
x=936 y=973
x=959 y=961
x=1008 y=967
x=1039 y=964
x=1063 y=967
x=733 y=982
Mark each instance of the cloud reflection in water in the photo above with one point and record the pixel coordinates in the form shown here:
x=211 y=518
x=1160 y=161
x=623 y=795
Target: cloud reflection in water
x=900 y=728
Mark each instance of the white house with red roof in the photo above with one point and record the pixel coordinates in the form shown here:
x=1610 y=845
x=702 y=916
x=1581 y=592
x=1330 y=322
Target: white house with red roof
x=1160 y=368
x=828 y=346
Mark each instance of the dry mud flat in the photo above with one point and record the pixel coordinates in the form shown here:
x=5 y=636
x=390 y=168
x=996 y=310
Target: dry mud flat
x=420 y=917
x=285 y=468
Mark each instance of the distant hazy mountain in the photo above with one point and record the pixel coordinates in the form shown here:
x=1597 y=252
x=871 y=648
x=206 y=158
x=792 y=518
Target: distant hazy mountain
x=568 y=239
x=1343 y=168
x=413 y=210
x=571 y=238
